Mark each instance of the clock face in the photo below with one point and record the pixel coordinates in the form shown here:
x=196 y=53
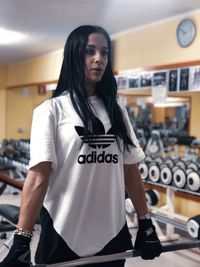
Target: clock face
x=185 y=32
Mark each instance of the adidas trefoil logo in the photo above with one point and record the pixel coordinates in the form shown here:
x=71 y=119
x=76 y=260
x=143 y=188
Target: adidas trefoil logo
x=99 y=139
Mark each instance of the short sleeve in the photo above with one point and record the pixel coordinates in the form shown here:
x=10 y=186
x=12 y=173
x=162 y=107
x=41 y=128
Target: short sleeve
x=43 y=136
x=134 y=154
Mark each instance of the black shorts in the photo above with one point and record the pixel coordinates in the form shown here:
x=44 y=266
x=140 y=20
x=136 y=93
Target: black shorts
x=53 y=249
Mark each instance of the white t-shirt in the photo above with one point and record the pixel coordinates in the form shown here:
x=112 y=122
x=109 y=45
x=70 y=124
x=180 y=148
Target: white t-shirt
x=85 y=196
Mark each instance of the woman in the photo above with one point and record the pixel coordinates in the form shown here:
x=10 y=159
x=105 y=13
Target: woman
x=84 y=155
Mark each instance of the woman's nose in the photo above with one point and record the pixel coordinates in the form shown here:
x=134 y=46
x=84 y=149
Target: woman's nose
x=98 y=56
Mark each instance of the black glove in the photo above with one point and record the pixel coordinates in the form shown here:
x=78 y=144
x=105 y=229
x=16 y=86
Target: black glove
x=147 y=240
x=19 y=254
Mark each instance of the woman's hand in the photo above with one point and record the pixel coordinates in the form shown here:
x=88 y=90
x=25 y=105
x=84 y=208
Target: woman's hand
x=147 y=240
x=19 y=254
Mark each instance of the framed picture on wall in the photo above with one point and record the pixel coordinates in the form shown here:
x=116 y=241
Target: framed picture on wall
x=184 y=79
x=194 y=81
x=122 y=81
x=159 y=87
x=173 y=80
x=146 y=80
x=134 y=81
x=160 y=78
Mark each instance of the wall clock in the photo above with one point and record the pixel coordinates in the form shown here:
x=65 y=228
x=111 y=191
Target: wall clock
x=185 y=32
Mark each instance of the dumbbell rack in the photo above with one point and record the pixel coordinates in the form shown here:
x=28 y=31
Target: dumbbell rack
x=174 y=188
x=167 y=213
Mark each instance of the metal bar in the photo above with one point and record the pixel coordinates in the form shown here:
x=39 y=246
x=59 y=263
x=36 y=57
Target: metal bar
x=120 y=256
x=164 y=210
x=6 y=179
x=165 y=219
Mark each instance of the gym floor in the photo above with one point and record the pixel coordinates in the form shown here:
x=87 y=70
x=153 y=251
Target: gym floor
x=183 y=258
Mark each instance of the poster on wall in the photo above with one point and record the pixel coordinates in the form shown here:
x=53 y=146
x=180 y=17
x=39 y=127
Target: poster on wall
x=146 y=79
x=134 y=81
x=194 y=81
x=173 y=80
x=159 y=88
x=122 y=81
x=159 y=95
x=184 y=79
x=160 y=79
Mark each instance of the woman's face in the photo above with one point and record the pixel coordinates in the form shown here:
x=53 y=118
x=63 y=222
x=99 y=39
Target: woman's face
x=96 y=58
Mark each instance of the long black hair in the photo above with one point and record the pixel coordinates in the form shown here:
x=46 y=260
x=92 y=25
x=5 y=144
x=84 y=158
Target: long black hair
x=72 y=79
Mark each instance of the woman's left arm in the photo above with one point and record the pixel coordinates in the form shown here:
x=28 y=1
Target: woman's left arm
x=146 y=240
x=135 y=188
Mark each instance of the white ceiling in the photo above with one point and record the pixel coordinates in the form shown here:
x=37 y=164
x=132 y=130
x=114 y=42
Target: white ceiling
x=47 y=23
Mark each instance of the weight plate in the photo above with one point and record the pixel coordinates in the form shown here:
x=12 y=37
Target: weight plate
x=166 y=175
x=154 y=173
x=193 y=181
x=179 y=178
x=144 y=170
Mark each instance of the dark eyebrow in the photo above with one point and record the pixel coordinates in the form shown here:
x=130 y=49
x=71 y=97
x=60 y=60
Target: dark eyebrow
x=94 y=46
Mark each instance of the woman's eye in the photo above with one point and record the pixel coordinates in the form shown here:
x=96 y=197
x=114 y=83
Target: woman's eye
x=89 y=51
x=104 y=53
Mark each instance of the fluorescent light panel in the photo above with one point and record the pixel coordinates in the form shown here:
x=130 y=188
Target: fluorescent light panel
x=8 y=37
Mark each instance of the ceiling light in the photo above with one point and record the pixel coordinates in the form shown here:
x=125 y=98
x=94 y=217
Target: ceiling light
x=9 y=37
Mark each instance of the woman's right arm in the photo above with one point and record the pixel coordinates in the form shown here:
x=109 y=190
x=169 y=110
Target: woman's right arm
x=33 y=194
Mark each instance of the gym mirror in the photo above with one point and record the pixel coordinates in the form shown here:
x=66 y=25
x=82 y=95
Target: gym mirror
x=171 y=117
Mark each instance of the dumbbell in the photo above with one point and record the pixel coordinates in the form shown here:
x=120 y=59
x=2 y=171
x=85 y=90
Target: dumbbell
x=193 y=226
x=154 y=148
x=158 y=160
x=130 y=209
x=166 y=174
x=144 y=170
x=152 y=197
x=193 y=180
x=194 y=166
x=179 y=177
x=148 y=158
x=154 y=172
x=169 y=161
x=180 y=163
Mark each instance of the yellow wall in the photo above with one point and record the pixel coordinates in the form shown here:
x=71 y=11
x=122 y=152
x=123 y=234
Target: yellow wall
x=43 y=69
x=186 y=207
x=19 y=109
x=19 y=105
x=154 y=45
x=194 y=115
x=144 y=47
x=158 y=115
